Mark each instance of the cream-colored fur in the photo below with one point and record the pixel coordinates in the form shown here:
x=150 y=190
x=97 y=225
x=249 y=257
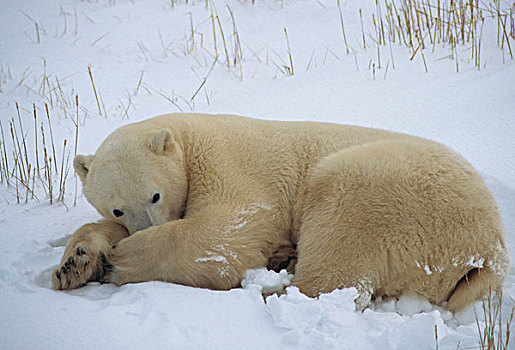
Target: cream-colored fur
x=206 y=197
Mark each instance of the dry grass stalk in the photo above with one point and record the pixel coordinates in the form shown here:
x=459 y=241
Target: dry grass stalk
x=213 y=10
x=381 y=26
x=391 y=54
x=290 y=68
x=238 y=53
x=76 y=21
x=436 y=337
x=192 y=37
x=63 y=99
x=492 y=334
x=362 y=30
x=6 y=167
x=479 y=45
x=204 y=80
x=17 y=149
x=99 y=39
x=165 y=49
x=168 y=98
x=5 y=163
x=310 y=60
x=139 y=83
x=33 y=183
x=214 y=32
x=51 y=136
x=125 y=110
x=1 y=166
x=223 y=41
x=76 y=144
x=45 y=154
x=343 y=28
x=36 y=139
x=18 y=182
x=94 y=90
x=378 y=41
x=455 y=23
x=16 y=179
x=386 y=70
x=43 y=81
x=24 y=76
x=28 y=188
x=23 y=136
x=505 y=35
x=62 y=179
x=37 y=32
x=48 y=166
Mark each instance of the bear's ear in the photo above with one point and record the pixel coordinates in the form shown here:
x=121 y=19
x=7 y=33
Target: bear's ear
x=161 y=141
x=81 y=165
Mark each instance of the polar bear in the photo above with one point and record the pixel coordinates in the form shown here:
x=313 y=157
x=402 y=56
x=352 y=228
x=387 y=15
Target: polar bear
x=199 y=199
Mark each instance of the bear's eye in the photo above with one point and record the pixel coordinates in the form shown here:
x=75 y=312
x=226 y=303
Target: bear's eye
x=155 y=198
x=117 y=213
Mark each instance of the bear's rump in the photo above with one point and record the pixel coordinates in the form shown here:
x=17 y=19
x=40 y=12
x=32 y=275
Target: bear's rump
x=394 y=217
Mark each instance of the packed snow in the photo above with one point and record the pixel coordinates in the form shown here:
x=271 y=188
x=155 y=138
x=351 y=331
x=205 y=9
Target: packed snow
x=269 y=281
x=124 y=61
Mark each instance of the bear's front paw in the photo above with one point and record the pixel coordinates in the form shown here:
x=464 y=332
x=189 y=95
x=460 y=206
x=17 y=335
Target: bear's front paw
x=80 y=265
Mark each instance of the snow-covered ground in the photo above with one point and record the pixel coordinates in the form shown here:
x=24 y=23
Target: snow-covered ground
x=150 y=57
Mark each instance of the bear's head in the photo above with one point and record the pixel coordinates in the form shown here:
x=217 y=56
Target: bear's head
x=136 y=177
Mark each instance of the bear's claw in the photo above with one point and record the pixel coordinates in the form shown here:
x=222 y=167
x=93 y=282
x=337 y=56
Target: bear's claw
x=76 y=270
x=80 y=251
x=285 y=257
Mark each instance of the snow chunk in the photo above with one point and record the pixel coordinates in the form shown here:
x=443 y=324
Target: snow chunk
x=269 y=281
x=476 y=261
x=294 y=310
x=410 y=305
x=327 y=322
x=385 y=304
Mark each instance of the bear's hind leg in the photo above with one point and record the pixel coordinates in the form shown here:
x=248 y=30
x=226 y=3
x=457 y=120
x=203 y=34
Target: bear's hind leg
x=336 y=245
x=398 y=217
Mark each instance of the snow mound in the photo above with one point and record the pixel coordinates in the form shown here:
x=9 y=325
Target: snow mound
x=314 y=323
x=332 y=322
x=410 y=305
x=268 y=281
